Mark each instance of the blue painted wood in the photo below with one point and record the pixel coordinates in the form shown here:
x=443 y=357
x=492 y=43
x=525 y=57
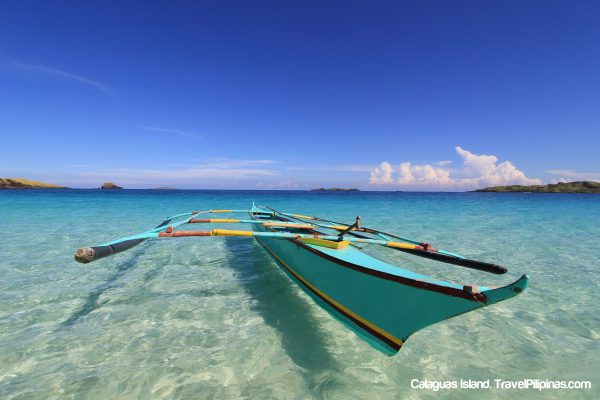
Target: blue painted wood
x=382 y=303
x=356 y=288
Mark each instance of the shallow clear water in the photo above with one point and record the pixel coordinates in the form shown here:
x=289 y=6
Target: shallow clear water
x=215 y=317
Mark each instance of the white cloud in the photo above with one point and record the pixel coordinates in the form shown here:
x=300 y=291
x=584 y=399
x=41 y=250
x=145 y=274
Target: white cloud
x=228 y=163
x=349 y=168
x=289 y=184
x=171 y=131
x=568 y=175
x=382 y=175
x=340 y=168
x=485 y=170
x=422 y=175
x=208 y=172
x=53 y=72
x=476 y=171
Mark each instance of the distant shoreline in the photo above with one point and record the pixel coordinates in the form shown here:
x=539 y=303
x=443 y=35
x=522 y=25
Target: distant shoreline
x=334 y=190
x=290 y=191
x=581 y=187
x=19 y=183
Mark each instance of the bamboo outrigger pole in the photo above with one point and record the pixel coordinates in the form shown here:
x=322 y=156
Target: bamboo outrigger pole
x=166 y=229
x=89 y=254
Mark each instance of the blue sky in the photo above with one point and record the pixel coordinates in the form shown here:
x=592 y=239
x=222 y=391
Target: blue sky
x=422 y=95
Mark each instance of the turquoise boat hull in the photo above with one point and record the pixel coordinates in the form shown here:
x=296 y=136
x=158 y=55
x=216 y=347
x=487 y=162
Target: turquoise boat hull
x=382 y=303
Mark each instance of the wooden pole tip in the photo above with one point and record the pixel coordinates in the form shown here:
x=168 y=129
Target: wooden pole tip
x=85 y=255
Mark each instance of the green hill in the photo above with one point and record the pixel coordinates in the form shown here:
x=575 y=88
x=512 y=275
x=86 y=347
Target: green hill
x=563 y=187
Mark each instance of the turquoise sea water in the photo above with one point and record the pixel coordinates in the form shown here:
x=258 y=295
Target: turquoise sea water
x=216 y=318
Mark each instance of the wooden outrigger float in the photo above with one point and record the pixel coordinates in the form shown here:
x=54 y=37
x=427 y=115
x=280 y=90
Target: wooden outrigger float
x=382 y=303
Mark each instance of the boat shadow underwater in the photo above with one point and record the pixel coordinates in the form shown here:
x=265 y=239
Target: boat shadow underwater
x=280 y=305
x=91 y=302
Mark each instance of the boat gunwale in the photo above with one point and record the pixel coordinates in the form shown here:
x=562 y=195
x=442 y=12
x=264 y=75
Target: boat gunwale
x=455 y=292
x=447 y=290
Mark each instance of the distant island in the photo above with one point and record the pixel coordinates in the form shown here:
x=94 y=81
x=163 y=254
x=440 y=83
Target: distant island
x=334 y=190
x=563 y=187
x=18 y=183
x=110 y=186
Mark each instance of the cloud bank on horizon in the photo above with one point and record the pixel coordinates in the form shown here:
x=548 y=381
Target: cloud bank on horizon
x=476 y=171
x=473 y=172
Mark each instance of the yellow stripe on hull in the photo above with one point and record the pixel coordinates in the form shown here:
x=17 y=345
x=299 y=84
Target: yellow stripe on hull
x=346 y=310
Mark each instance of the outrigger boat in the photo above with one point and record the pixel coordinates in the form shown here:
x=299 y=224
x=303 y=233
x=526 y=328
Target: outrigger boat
x=382 y=303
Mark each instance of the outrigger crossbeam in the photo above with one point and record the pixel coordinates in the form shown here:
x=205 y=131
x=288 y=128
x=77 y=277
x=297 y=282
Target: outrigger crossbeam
x=167 y=229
